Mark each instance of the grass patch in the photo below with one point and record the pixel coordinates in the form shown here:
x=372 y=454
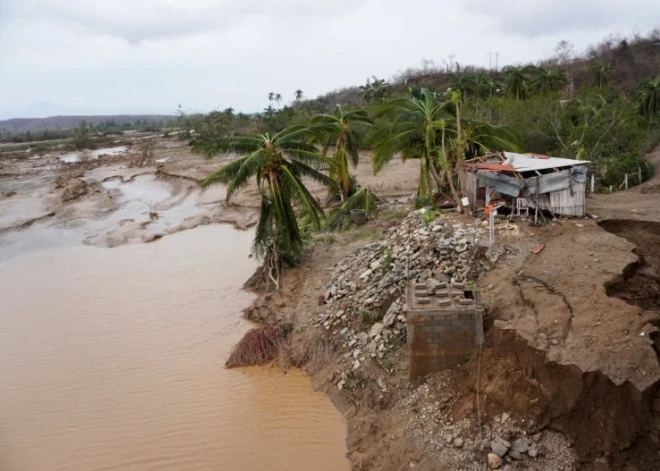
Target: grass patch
x=395 y=215
x=312 y=351
x=368 y=317
x=366 y=234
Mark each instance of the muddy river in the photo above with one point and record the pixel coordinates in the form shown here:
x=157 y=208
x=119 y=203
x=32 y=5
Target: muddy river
x=112 y=359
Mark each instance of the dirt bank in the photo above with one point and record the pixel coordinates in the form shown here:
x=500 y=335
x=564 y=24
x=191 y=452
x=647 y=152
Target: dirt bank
x=571 y=352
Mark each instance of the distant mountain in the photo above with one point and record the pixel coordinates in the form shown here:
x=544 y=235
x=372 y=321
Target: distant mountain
x=68 y=122
x=43 y=109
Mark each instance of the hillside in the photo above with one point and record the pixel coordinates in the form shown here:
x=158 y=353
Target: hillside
x=19 y=125
x=629 y=59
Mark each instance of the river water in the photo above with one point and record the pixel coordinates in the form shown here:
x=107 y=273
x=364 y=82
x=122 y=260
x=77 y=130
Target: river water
x=112 y=359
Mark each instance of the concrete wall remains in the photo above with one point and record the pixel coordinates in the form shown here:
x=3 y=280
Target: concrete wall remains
x=445 y=324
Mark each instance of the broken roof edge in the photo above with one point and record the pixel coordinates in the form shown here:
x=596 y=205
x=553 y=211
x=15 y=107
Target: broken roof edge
x=529 y=162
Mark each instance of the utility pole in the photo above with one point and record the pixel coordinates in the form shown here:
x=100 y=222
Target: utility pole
x=490 y=59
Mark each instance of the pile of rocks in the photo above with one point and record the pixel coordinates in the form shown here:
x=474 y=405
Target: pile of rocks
x=364 y=296
x=502 y=450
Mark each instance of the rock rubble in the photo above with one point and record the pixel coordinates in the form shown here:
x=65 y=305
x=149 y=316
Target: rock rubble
x=364 y=297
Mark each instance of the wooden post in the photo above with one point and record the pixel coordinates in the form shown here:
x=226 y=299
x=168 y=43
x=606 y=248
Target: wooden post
x=625 y=181
x=491 y=231
x=593 y=181
x=639 y=174
x=536 y=200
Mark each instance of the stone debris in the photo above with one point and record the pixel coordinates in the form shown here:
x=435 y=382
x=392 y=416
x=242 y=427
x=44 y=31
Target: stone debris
x=364 y=297
x=494 y=461
x=455 y=441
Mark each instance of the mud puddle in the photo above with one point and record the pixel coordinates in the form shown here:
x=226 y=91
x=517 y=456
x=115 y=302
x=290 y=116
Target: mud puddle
x=113 y=359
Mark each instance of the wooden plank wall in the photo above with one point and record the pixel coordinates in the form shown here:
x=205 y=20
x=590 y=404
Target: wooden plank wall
x=567 y=204
x=472 y=183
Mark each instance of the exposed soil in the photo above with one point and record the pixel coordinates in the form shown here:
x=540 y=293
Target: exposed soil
x=639 y=284
x=571 y=351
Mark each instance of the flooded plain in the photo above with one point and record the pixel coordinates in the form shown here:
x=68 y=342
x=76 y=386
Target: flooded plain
x=82 y=156
x=113 y=359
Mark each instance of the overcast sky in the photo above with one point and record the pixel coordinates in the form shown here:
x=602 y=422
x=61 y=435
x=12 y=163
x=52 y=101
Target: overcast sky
x=207 y=54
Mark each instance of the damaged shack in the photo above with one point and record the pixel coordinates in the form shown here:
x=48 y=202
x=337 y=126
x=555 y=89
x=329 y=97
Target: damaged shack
x=553 y=184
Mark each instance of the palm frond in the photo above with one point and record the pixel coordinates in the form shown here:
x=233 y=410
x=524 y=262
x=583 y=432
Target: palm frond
x=250 y=167
x=224 y=174
x=302 y=198
x=226 y=144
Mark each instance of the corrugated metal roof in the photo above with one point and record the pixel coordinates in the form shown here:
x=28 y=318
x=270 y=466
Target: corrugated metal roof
x=503 y=183
x=493 y=167
x=527 y=163
x=549 y=182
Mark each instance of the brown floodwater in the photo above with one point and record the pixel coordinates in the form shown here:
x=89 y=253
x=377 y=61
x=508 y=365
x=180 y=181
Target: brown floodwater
x=112 y=359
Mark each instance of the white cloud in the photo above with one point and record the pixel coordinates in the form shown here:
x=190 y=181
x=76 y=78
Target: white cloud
x=549 y=17
x=217 y=53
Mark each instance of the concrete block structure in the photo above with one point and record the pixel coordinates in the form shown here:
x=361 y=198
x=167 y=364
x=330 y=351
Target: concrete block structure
x=445 y=324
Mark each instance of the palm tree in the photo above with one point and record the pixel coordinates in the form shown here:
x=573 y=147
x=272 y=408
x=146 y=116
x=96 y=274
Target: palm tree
x=649 y=98
x=299 y=94
x=367 y=91
x=269 y=111
x=278 y=98
x=411 y=129
x=278 y=162
x=602 y=73
x=484 y=86
x=435 y=133
x=346 y=130
x=462 y=82
x=548 y=81
x=271 y=96
x=517 y=78
x=380 y=88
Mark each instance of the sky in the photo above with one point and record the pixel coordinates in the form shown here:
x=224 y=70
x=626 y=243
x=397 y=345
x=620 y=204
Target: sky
x=152 y=55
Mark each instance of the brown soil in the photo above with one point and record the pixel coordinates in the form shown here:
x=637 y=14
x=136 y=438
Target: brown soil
x=639 y=284
x=571 y=351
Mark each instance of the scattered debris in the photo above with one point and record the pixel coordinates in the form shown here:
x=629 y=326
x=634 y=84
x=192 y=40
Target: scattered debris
x=538 y=248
